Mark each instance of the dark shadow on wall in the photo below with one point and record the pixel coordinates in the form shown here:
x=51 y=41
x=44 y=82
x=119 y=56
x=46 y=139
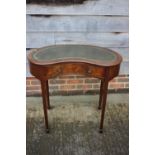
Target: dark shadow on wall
x=58 y=2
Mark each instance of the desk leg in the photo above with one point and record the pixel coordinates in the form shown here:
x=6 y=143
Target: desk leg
x=101 y=94
x=104 y=98
x=47 y=96
x=44 y=97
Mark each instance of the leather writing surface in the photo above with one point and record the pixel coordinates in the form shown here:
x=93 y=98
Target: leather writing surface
x=73 y=51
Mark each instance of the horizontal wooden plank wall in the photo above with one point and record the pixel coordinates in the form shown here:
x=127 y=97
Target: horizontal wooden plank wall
x=69 y=24
x=96 y=22
x=40 y=39
x=90 y=7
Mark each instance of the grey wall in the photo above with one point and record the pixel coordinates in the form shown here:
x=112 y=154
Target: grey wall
x=96 y=22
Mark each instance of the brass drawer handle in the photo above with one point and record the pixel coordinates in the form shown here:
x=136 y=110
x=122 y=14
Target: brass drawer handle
x=59 y=70
x=89 y=70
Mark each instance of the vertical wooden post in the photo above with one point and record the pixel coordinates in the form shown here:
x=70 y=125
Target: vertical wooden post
x=104 y=98
x=44 y=97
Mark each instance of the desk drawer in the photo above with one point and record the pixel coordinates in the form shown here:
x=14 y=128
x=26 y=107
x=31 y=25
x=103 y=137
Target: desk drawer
x=45 y=72
x=74 y=68
x=83 y=69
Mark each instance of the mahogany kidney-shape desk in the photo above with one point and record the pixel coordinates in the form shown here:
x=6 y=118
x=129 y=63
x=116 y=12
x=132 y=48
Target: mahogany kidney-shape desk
x=52 y=61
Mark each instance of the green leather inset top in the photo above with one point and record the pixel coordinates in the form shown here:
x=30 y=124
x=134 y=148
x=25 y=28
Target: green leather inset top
x=87 y=52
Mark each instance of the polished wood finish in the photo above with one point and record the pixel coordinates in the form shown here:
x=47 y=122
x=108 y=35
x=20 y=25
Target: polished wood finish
x=101 y=94
x=45 y=102
x=103 y=64
x=104 y=98
x=47 y=96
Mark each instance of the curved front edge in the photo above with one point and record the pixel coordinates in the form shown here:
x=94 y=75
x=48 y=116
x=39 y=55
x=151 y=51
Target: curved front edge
x=114 y=71
x=52 y=71
x=43 y=72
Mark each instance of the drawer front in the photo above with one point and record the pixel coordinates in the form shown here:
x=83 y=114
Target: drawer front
x=55 y=70
x=52 y=71
x=74 y=68
x=83 y=69
x=95 y=71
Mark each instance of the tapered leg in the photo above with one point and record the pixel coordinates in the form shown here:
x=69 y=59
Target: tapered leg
x=104 y=98
x=47 y=96
x=101 y=94
x=44 y=97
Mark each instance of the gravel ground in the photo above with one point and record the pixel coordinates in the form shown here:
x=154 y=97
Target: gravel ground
x=74 y=126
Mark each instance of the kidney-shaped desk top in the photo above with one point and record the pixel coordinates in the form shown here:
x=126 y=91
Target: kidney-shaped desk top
x=52 y=61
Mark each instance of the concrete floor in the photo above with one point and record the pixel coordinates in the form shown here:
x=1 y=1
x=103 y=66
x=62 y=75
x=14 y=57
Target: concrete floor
x=74 y=124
